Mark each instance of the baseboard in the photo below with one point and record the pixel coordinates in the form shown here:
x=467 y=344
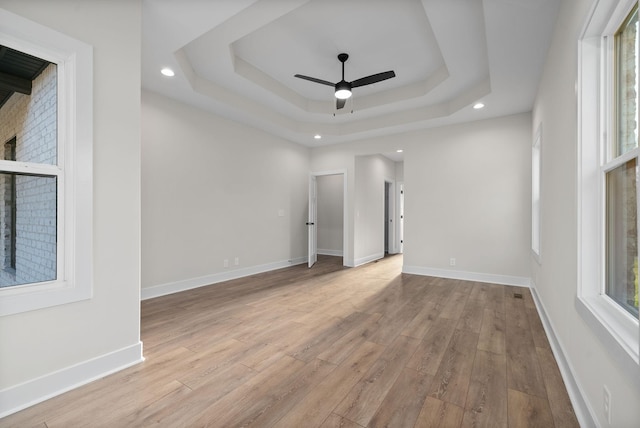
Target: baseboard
x=336 y=253
x=364 y=260
x=16 y=398
x=519 y=281
x=581 y=408
x=188 y=284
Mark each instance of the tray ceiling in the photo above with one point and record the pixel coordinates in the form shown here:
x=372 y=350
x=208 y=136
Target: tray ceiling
x=238 y=59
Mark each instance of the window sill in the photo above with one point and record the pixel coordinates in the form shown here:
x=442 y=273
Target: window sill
x=30 y=297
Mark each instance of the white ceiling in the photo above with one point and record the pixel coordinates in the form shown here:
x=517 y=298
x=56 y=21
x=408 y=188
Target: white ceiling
x=237 y=58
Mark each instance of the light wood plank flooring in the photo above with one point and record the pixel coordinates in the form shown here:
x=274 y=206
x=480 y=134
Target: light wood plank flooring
x=329 y=347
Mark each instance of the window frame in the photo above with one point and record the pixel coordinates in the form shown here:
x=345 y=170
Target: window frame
x=74 y=168
x=596 y=106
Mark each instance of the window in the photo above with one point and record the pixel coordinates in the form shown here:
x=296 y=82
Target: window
x=621 y=173
x=45 y=168
x=608 y=177
x=30 y=179
x=536 y=159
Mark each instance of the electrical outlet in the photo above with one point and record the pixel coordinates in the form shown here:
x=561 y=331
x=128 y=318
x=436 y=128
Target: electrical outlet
x=226 y=262
x=606 y=403
x=237 y=261
x=452 y=261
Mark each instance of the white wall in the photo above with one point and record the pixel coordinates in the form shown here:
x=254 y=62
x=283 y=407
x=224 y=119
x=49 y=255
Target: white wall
x=587 y=357
x=399 y=171
x=370 y=175
x=47 y=350
x=467 y=191
x=213 y=190
x=467 y=196
x=330 y=219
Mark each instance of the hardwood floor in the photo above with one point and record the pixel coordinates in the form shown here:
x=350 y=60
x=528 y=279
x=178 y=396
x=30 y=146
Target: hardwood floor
x=329 y=347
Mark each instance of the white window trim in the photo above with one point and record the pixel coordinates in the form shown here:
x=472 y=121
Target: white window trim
x=536 y=229
x=610 y=322
x=74 y=61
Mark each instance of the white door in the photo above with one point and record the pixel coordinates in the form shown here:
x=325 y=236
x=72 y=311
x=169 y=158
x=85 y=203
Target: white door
x=311 y=224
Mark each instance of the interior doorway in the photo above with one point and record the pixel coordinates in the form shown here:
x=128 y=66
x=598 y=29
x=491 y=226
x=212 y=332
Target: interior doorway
x=330 y=215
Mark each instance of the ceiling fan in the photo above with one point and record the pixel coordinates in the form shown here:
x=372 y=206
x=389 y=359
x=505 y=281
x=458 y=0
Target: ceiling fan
x=343 y=88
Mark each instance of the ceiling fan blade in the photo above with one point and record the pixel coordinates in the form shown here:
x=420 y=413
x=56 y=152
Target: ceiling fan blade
x=340 y=103
x=374 y=78
x=313 y=79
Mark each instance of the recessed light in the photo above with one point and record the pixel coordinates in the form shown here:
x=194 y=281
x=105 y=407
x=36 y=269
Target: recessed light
x=399 y=151
x=478 y=106
x=317 y=136
x=167 y=72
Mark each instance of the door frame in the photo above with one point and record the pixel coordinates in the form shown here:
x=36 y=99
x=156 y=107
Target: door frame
x=312 y=222
x=400 y=216
x=345 y=218
x=388 y=216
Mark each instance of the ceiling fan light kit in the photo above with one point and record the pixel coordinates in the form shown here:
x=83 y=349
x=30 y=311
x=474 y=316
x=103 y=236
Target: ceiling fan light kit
x=343 y=88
